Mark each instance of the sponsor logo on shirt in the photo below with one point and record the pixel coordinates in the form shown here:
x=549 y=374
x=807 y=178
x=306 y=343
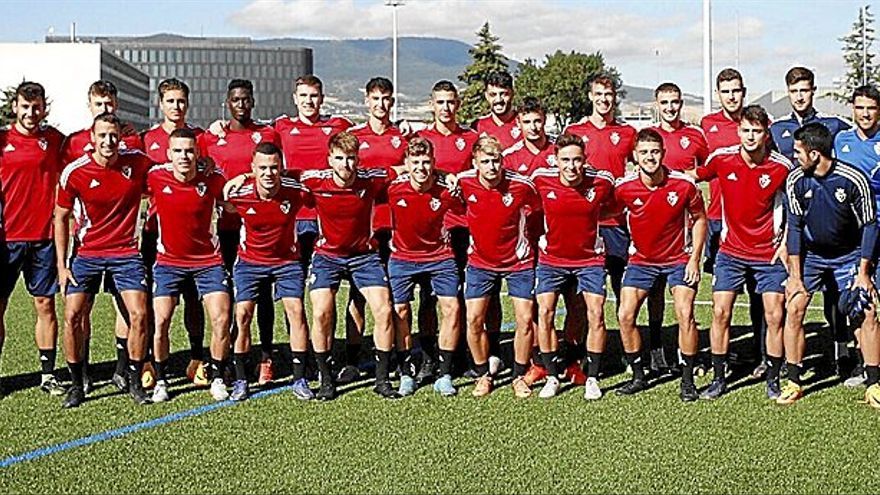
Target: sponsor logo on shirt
x=845 y=149
x=154 y=146
x=402 y=203
x=786 y=134
x=809 y=194
x=221 y=142
x=94 y=183
x=166 y=190
x=732 y=176
x=250 y=211
x=714 y=128
x=326 y=130
x=364 y=145
x=472 y=198
x=294 y=131
x=523 y=167
x=9 y=148
x=551 y=195
x=638 y=202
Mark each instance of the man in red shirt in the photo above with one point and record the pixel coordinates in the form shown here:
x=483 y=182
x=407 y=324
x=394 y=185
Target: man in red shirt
x=106 y=186
x=268 y=260
x=535 y=149
x=232 y=153
x=420 y=253
x=188 y=253
x=685 y=148
x=343 y=197
x=660 y=205
x=609 y=145
x=498 y=204
x=174 y=102
x=30 y=162
x=751 y=183
x=572 y=198
x=501 y=121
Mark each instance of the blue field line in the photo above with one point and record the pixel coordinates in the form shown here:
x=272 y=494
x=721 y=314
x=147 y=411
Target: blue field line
x=153 y=423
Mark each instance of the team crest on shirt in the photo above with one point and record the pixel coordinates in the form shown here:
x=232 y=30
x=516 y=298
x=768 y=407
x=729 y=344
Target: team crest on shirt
x=840 y=195
x=201 y=188
x=395 y=142
x=684 y=142
x=122 y=145
x=515 y=132
x=459 y=143
x=764 y=181
x=551 y=160
x=285 y=206
x=126 y=172
x=256 y=137
x=615 y=138
x=326 y=130
x=507 y=199
x=877 y=149
x=672 y=198
x=434 y=204
x=43 y=143
x=591 y=194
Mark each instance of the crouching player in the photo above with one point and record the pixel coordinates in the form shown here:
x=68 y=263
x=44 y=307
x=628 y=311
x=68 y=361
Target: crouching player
x=421 y=253
x=659 y=205
x=572 y=196
x=832 y=232
x=187 y=253
x=268 y=255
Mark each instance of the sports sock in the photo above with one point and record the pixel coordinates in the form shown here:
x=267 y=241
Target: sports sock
x=519 y=369
x=352 y=354
x=719 y=366
x=774 y=364
x=494 y=343
x=239 y=361
x=551 y=362
x=324 y=361
x=536 y=356
x=593 y=361
x=299 y=365
x=687 y=369
x=406 y=362
x=655 y=334
x=47 y=361
x=873 y=375
x=159 y=366
x=383 y=358
x=794 y=372
x=428 y=343
x=215 y=369
x=196 y=348
x=482 y=369
x=85 y=357
x=135 y=367
x=634 y=360
x=446 y=362
x=841 y=350
x=121 y=355
x=76 y=373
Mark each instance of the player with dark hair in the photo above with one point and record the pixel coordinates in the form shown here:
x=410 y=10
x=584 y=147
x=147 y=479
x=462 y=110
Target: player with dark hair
x=501 y=122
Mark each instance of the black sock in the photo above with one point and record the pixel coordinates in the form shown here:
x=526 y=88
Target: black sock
x=551 y=362
x=121 y=355
x=719 y=366
x=239 y=361
x=634 y=360
x=536 y=356
x=428 y=343
x=266 y=344
x=383 y=358
x=774 y=364
x=482 y=369
x=519 y=369
x=687 y=369
x=299 y=365
x=135 y=367
x=352 y=354
x=446 y=362
x=215 y=368
x=47 y=361
x=85 y=357
x=196 y=348
x=873 y=373
x=494 y=343
x=324 y=361
x=655 y=334
x=159 y=366
x=76 y=373
x=406 y=362
x=794 y=372
x=593 y=361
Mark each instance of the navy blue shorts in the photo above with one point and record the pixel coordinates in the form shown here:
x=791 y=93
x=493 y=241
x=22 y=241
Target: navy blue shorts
x=557 y=279
x=364 y=270
x=306 y=236
x=713 y=240
x=645 y=276
x=171 y=281
x=127 y=273
x=616 y=241
x=731 y=273
x=288 y=280
x=405 y=275
x=483 y=283
x=36 y=260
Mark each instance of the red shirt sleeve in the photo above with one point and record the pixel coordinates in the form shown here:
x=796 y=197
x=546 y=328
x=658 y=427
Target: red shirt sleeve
x=695 y=201
x=709 y=170
x=66 y=194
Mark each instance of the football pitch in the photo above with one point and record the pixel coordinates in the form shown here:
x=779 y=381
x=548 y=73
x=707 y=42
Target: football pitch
x=649 y=443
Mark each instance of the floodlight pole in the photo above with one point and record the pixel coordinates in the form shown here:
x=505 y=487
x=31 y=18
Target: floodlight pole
x=707 y=56
x=394 y=4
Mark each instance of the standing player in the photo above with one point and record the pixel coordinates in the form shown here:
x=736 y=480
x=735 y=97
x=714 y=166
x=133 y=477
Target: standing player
x=30 y=162
x=188 y=253
x=609 y=145
x=660 y=206
x=268 y=257
x=801 y=85
x=106 y=186
x=420 y=253
x=501 y=121
x=535 y=150
x=832 y=232
x=343 y=197
x=572 y=198
x=498 y=203
x=174 y=102
x=860 y=147
x=751 y=184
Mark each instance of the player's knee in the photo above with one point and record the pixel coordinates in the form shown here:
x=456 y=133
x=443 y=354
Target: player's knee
x=45 y=307
x=720 y=312
x=595 y=315
x=546 y=314
x=626 y=318
x=220 y=322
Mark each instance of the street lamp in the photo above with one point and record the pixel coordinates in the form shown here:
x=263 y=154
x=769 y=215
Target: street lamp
x=394 y=4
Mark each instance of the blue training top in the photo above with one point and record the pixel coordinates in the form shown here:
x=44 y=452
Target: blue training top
x=783 y=129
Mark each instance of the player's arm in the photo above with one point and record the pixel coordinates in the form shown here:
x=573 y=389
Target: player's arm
x=864 y=207
x=794 y=240
x=700 y=229
x=61 y=223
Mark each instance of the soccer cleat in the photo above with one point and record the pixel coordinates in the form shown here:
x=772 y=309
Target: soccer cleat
x=51 y=386
x=495 y=365
x=160 y=391
x=218 y=390
x=857 y=378
x=872 y=396
x=426 y=372
x=575 y=374
x=688 y=392
x=483 y=386
x=148 y=376
x=348 y=374
x=790 y=394
x=74 y=398
x=407 y=386
x=301 y=390
x=444 y=386
x=384 y=389
x=632 y=387
x=470 y=374
x=715 y=390
x=759 y=370
x=197 y=373
x=120 y=382
x=773 y=389
x=550 y=389
x=534 y=374
x=520 y=388
x=137 y=392
x=266 y=373
x=327 y=391
x=239 y=390
x=592 y=390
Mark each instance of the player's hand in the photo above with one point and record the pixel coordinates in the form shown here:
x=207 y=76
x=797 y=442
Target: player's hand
x=863 y=281
x=405 y=128
x=234 y=184
x=207 y=165
x=452 y=185
x=793 y=288
x=692 y=272
x=65 y=277
x=781 y=254
x=218 y=128
x=128 y=129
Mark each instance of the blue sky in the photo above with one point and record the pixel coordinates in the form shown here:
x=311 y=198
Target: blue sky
x=772 y=35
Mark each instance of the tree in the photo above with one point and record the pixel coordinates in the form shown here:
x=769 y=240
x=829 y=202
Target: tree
x=858 y=56
x=487 y=58
x=7 y=116
x=562 y=83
